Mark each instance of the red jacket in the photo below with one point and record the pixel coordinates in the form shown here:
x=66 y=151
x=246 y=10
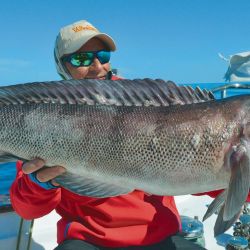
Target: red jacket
x=127 y=220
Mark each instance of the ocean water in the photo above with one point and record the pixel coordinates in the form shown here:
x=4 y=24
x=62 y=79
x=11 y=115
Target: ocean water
x=8 y=170
x=7 y=176
x=229 y=92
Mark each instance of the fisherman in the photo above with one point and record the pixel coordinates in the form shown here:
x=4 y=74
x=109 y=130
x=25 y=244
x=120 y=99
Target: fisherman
x=133 y=221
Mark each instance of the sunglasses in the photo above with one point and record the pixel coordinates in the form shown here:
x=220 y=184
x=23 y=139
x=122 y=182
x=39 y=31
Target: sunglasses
x=86 y=58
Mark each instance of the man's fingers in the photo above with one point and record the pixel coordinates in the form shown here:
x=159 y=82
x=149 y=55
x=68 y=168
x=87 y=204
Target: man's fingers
x=49 y=173
x=55 y=183
x=43 y=173
x=33 y=165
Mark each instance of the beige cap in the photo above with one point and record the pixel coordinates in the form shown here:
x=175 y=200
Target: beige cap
x=72 y=37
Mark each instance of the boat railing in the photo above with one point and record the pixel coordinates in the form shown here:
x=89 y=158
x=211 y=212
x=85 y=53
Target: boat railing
x=235 y=85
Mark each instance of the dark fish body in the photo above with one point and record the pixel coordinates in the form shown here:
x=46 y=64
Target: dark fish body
x=176 y=144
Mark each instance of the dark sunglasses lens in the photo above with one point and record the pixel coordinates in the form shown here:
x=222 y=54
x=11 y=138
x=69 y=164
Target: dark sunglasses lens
x=103 y=56
x=82 y=59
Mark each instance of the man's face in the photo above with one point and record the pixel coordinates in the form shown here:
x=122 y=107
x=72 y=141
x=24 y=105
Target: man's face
x=96 y=70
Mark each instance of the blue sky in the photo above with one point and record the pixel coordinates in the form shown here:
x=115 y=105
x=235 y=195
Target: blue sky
x=177 y=40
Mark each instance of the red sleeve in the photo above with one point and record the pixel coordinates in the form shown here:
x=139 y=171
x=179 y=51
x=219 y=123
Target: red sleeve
x=213 y=194
x=116 y=78
x=30 y=200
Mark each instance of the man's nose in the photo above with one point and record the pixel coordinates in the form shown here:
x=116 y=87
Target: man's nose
x=96 y=65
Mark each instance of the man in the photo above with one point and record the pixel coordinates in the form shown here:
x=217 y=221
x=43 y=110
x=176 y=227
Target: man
x=132 y=221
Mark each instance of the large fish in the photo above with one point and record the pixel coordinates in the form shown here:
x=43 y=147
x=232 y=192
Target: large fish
x=117 y=136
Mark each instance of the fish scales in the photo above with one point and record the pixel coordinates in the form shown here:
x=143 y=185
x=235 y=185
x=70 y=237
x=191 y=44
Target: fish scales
x=139 y=145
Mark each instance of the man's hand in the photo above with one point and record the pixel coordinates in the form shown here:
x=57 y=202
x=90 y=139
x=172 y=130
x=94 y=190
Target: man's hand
x=43 y=174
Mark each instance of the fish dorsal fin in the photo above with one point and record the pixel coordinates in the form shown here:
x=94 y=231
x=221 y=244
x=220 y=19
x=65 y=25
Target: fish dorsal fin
x=137 y=92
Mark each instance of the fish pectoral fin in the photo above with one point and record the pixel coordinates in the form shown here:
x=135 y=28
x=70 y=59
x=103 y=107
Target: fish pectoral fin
x=236 y=193
x=216 y=204
x=239 y=183
x=89 y=186
x=221 y=225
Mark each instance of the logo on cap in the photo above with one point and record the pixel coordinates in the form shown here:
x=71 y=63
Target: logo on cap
x=80 y=28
